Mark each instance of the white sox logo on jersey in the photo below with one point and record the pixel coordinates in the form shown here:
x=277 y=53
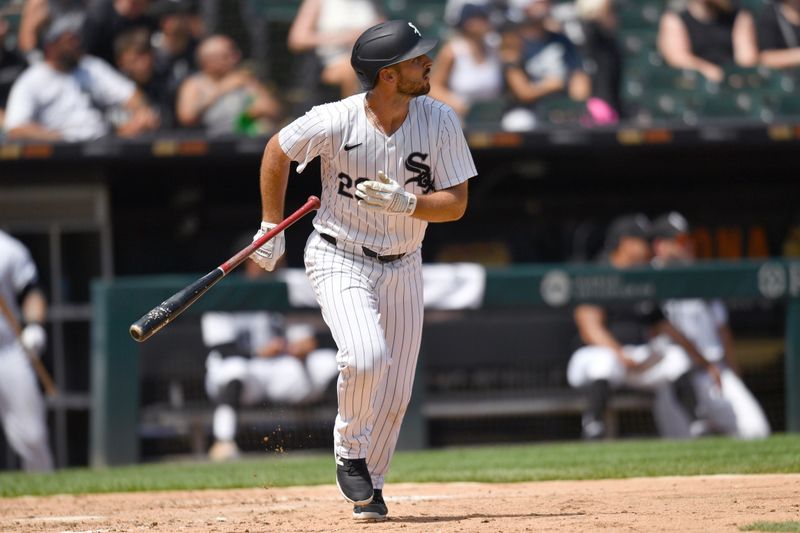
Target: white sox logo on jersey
x=423 y=177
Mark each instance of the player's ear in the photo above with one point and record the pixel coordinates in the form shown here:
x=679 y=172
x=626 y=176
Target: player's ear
x=388 y=75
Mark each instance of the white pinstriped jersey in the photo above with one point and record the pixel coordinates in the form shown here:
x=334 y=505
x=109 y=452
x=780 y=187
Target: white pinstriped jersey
x=427 y=153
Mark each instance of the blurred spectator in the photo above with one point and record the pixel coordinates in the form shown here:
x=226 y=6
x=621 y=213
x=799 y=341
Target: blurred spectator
x=255 y=356
x=779 y=34
x=66 y=96
x=223 y=97
x=12 y=63
x=538 y=63
x=705 y=323
x=175 y=46
x=330 y=28
x=468 y=66
x=135 y=58
x=602 y=54
x=631 y=344
x=36 y=15
x=107 y=19
x=707 y=35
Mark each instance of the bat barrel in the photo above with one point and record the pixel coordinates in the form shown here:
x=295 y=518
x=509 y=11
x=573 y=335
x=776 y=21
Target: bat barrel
x=169 y=309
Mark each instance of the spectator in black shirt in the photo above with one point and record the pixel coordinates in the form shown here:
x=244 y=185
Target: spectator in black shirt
x=706 y=36
x=779 y=34
x=631 y=344
x=175 y=45
x=135 y=59
x=107 y=19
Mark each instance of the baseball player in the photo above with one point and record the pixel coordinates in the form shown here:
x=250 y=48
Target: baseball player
x=631 y=344
x=256 y=356
x=21 y=404
x=731 y=409
x=393 y=159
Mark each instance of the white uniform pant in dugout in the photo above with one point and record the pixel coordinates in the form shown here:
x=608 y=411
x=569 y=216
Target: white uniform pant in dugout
x=592 y=363
x=374 y=310
x=278 y=379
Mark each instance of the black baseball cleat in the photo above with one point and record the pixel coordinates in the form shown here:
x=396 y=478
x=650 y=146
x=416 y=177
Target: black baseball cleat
x=375 y=510
x=353 y=480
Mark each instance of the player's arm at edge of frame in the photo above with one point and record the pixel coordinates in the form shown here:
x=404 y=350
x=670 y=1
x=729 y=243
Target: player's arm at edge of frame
x=274 y=180
x=446 y=205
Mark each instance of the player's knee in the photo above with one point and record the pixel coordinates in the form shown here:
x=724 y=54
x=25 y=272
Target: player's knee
x=366 y=361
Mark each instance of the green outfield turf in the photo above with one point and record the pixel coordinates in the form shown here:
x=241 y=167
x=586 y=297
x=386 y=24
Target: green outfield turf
x=578 y=460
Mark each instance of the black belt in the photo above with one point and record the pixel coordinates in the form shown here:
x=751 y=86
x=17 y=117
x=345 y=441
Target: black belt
x=369 y=253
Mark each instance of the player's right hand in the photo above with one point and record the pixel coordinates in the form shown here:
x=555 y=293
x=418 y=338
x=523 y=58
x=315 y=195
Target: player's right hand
x=270 y=251
x=34 y=339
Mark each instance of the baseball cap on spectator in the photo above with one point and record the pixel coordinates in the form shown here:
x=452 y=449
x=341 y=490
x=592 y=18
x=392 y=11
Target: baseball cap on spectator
x=669 y=226
x=634 y=225
x=69 y=23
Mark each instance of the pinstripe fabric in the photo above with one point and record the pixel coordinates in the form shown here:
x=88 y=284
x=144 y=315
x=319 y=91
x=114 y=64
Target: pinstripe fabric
x=373 y=309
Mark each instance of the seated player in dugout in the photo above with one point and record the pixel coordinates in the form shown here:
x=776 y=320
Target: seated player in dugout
x=631 y=344
x=733 y=410
x=256 y=357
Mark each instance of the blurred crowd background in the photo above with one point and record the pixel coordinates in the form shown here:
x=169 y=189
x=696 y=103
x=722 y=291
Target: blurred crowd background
x=247 y=66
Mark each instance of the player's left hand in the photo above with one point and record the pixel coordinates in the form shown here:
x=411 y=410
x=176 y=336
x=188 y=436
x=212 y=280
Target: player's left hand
x=386 y=195
x=267 y=256
x=34 y=339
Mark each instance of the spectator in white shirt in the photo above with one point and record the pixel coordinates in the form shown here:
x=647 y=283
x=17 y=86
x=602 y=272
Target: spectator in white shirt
x=67 y=96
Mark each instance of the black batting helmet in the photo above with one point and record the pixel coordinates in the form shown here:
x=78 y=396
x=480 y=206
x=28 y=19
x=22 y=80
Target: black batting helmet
x=385 y=44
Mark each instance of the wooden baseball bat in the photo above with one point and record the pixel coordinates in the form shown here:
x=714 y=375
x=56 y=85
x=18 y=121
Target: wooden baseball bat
x=169 y=309
x=38 y=366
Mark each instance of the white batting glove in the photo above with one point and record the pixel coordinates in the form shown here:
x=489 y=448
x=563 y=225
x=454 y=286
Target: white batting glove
x=270 y=251
x=386 y=195
x=34 y=339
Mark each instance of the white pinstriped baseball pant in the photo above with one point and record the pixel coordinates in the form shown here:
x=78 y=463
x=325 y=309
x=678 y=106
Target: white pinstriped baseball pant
x=374 y=311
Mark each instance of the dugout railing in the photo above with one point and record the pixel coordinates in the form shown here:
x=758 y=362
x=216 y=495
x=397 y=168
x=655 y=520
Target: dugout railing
x=117 y=303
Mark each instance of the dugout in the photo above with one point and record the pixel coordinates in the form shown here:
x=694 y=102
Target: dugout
x=115 y=366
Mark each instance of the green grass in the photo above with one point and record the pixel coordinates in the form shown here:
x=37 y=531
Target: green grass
x=535 y=462
x=791 y=526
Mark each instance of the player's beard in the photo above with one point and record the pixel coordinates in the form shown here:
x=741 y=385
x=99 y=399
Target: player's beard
x=413 y=88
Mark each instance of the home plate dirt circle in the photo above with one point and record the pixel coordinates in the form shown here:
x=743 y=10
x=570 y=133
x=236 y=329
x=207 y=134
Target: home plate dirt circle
x=700 y=503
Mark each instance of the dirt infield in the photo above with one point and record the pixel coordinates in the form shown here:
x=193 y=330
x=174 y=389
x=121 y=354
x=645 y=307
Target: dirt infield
x=703 y=503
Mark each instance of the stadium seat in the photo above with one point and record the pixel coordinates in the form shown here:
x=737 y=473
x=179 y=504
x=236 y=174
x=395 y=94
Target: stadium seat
x=486 y=115
x=281 y=10
x=665 y=106
x=788 y=106
x=664 y=77
x=731 y=104
x=747 y=77
x=639 y=41
x=561 y=111
x=640 y=15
